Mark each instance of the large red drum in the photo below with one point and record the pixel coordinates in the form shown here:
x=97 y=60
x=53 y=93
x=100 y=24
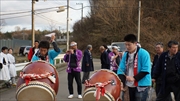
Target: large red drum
x=38 y=81
x=103 y=85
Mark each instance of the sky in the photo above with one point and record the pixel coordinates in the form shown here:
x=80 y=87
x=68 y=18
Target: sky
x=45 y=14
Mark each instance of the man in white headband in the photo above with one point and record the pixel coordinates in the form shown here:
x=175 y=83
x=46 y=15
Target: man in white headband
x=73 y=44
x=73 y=57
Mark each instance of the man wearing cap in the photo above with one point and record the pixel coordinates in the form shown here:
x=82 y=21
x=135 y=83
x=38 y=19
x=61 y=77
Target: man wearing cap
x=73 y=57
x=115 y=58
x=4 y=70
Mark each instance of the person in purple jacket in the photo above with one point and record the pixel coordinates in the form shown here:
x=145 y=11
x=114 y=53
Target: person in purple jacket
x=73 y=58
x=115 y=57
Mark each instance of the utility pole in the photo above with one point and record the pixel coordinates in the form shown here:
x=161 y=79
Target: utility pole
x=32 y=30
x=67 y=25
x=81 y=10
x=139 y=21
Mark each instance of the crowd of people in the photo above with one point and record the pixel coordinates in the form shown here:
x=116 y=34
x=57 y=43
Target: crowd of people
x=132 y=66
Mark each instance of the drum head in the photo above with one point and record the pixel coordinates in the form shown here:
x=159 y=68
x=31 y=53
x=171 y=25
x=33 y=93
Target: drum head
x=35 y=91
x=88 y=95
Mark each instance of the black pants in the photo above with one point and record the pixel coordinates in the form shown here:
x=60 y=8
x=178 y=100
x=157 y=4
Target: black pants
x=158 y=87
x=77 y=77
x=164 y=96
x=85 y=76
x=132 y=93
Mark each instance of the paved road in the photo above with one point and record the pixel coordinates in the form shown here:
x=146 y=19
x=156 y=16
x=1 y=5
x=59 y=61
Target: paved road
x=9 y=94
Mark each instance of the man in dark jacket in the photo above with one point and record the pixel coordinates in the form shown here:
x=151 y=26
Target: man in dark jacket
x=168 y=67
x=105 y=61
x=106 y=48
x=87 y=63
x=159 y=50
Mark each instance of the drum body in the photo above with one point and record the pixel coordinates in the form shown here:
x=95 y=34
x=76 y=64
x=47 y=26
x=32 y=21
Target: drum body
x=112 y=91
x=40 y=89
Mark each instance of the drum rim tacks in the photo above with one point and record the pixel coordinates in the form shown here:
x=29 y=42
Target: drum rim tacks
x=36 y=83
x=94 y=89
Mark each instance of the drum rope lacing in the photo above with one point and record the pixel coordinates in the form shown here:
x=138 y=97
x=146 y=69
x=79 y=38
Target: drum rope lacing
x=29 y=77
x=100 y=90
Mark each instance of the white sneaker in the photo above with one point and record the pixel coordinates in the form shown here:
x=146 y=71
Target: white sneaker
x=70 y=96
x=79 y=96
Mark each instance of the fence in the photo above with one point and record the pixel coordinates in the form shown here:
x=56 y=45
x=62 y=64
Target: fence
x=57 y=60
x=14 y=43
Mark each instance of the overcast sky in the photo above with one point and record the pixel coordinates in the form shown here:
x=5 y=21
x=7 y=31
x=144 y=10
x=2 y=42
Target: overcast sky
x=42 y=20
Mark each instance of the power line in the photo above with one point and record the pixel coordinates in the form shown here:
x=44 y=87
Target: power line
x=15 y=17
x=49 y=19
x=15 y=10
x=16 y=13
x=28 y=11
x=41 y=11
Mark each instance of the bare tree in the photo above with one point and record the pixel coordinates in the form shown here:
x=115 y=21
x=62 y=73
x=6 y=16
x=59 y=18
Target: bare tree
x=52 y=25
x=111 y=20
x=2 y=24
x=17 y=28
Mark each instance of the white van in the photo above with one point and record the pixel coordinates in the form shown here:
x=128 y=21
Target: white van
x=24 y=50
x=121 y=46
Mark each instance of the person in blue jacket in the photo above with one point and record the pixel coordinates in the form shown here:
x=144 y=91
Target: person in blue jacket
x=44 y=53
x=135 y=69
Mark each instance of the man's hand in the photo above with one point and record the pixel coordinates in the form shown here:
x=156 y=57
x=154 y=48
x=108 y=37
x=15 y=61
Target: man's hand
x=53 y=38
x=87 y=64
x=70 y=51
x=153 y=80
x=122 y=87
x=130 y=78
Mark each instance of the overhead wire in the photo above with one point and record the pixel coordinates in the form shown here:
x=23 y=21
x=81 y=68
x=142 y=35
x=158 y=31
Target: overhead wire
x=40 y=11
x=49 y=19
x=15 y=17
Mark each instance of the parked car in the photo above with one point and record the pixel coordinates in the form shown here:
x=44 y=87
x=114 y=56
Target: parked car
x=24 y=50
x=121 y=46
x=109 y=47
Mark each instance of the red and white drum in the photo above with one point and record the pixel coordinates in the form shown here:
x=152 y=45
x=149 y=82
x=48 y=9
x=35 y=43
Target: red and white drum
x=38 y=81
x=103 y=85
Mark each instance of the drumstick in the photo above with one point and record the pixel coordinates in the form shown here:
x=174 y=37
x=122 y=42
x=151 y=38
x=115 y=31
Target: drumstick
x=121 y=70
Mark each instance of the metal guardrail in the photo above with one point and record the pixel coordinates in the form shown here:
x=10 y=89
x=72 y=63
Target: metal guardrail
x=20 y=66
x=57 y=60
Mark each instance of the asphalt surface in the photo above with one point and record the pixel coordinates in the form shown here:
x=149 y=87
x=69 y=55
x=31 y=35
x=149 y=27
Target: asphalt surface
x=8 y=94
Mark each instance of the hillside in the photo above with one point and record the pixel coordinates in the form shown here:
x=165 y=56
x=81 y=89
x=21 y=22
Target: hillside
x=110 y=20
